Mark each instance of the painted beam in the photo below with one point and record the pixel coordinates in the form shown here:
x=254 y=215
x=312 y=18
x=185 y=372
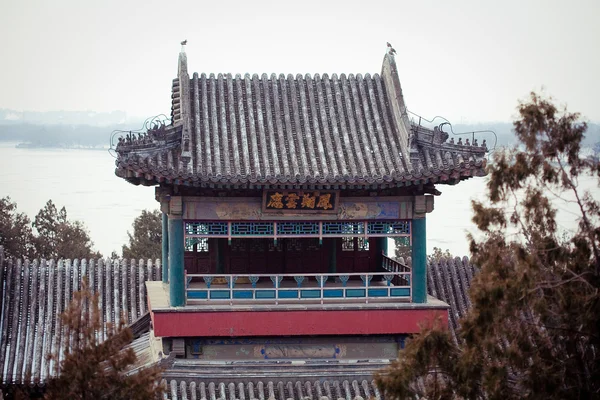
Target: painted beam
x=294 y=323
x=176 y=262
x=419 y=260
x=165 y=248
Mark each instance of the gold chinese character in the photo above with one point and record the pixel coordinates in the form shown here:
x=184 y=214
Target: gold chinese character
x=324 y=201
x=292 y=200
x=308 y=201
x=275 y=201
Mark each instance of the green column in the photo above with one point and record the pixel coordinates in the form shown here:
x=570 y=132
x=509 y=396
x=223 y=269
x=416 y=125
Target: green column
x=165 y=248
x=419 y=261
x=176 y=265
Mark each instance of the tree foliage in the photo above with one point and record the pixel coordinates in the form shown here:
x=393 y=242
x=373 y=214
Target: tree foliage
x=51 y=235
x=146 y=241
x=532 y=330
x=60 y=238
x=16 y=235
x=91 y=369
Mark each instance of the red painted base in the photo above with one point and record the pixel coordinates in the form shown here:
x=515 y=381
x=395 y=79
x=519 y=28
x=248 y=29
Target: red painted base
x=294 y=323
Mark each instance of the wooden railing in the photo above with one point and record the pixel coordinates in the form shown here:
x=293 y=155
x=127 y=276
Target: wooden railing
x=391 y=265
x=298 y=287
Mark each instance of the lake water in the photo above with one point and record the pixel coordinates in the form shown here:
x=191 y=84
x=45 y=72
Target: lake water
x=85 y=183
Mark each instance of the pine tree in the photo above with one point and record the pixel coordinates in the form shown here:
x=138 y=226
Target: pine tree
x=16 y=235
x=533 y=328
x=146 y=241
x=91 y=369
x=58 y=237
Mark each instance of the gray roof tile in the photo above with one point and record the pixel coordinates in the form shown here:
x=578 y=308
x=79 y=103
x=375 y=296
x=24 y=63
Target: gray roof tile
x=305 y=130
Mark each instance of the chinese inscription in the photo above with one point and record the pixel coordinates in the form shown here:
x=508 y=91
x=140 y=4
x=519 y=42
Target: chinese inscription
x=300 y=200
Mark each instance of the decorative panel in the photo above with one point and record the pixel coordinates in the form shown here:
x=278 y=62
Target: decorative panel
x=362 y=244
x=297 y=228
x=388 y=227
x=201 y=244
x=300 y=201
x=343 y=228
x=347 y=244
x=206 y=228
x=251 y=228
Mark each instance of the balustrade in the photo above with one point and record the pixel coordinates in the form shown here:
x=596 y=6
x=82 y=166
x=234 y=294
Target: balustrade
x=273 y=288
x=393 y=266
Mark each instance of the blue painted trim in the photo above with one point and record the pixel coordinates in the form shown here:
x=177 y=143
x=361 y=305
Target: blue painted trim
x=355 y=292
x=419 y=260
x=243 y=294
x=288 y=294
x=219 y=294
x=176 y=264
x=265 y=294
x=400 y=292
x=165 y=248
x=378 y=293
x=333 y=293
x=310 y=294
x=197 y=294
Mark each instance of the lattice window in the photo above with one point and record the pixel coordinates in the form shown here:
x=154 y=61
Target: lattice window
x=206 y=228
x=297 y=228
x=388 y=227
x=251 y=228
x=362 y=244
x=343 y=228
x=199 y=245
x=347 y=244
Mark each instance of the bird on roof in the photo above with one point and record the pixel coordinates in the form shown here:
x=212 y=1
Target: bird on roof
x=184 y=42
x=391 y=50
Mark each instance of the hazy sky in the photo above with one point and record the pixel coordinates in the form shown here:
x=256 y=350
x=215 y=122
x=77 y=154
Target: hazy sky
x=465 y=60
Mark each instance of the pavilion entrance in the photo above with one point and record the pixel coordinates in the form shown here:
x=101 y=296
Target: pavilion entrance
x=264 y=256
x=286 y=256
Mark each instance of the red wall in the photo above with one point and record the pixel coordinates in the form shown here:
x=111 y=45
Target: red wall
x=290 y=323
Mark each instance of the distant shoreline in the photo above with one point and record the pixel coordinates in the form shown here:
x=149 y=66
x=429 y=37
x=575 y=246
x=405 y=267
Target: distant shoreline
x=25 y=145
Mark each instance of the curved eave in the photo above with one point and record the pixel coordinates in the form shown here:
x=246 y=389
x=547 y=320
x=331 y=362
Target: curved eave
x=149 y=176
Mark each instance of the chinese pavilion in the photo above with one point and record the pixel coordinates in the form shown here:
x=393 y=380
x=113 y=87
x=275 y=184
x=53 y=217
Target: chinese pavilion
x=279 y=194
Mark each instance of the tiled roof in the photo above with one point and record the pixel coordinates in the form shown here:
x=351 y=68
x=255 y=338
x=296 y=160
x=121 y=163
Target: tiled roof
x=277 y=130
x=449 y=279
x=34 y=294
x=317 y=388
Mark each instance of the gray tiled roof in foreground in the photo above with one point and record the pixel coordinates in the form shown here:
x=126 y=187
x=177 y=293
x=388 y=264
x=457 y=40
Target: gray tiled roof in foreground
x=316 y=389
x=35 y=293
x=302 y=130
